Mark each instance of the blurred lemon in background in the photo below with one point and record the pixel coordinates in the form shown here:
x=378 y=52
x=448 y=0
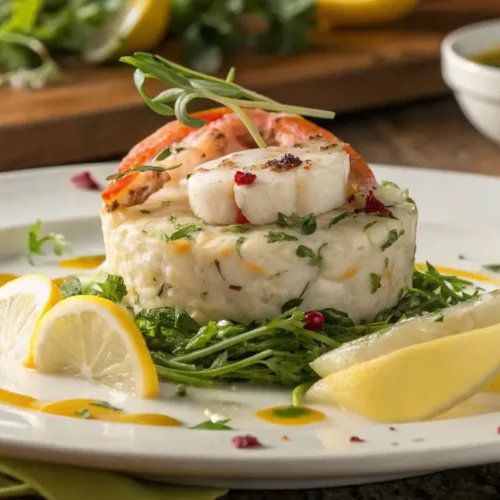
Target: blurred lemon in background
x=360 y=12
x=140 y=25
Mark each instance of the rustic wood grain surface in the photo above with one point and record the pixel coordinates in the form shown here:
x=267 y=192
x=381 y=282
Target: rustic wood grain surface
x=97 y=112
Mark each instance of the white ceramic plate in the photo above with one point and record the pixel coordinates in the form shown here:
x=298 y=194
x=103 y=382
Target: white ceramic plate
x=458 y=215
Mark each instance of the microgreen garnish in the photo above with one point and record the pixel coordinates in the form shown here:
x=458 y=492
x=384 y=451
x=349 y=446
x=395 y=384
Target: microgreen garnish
x=340 y=218
x=306 y=224
x=274 y=236
x=394 y=236
x=36 y=242
x=85 y=413
x=185 y=231
x=105 y=404
x=493 y=267
x=188 y=85
x=369 y=225
x=375 y=281
x=214 y=426
x=140 y=168
x=239 y=243
x=238 y=228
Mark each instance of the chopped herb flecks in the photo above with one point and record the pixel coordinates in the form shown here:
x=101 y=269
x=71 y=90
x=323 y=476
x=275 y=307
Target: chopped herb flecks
x=306 y=225
x=340 y=218
x=105 y=404
x=376 y=282
x=238 y=228
x=185 y=231
x=85 y=413
x=394 y=236
x=369 y=225
x=239 y=243
x=274 y=236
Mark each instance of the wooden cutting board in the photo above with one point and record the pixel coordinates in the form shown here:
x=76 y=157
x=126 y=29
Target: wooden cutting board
x=97 y=113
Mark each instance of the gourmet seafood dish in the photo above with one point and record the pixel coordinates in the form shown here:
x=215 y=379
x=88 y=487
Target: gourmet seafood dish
x=247 y=244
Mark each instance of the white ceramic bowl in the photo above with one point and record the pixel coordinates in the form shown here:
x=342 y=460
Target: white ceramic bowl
x=476 y=86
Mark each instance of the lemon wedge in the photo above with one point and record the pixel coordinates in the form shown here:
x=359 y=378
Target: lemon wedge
x=93 y=338
x=6 y=277
x=418 y=382
x=470 y=315
x=140 y=25
x=23 y=301
x=358 y=12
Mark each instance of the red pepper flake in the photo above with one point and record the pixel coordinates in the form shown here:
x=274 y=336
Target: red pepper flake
x=84 y=180
x=392 y=428
x=313 y=320
x=235 y=287
x=285 y=163
x=373 y=205
x=244 y=178
x=240 y=218
x=242 y=442
x=356 y=439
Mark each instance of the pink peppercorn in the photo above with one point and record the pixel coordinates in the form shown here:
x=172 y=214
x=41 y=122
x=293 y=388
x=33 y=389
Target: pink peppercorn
x=314 y=320
x=356 y=439
x=249 y=441
x=244 y=178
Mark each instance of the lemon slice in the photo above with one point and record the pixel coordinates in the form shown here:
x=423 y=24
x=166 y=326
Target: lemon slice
x=93 y=338
x=418 y=382
x=473 y=314
x=140 y=25
x=6 y=277
x=358 y=12
x=23 y=302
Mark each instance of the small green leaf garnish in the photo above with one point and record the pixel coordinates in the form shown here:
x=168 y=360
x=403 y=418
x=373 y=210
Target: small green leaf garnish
x=105 y=404
x=214 y=426
x=113 y=288
x=318 y=259
x=394 y=236
x=303 y=251
x=141 y=168
x=306 y=224
x=85 y=413
x=291 y=304
x=291 y=412
x=37 y=242
x=185 y=231
x=181 y=391
x=369 y=225
x=376 y=282
x=495 y=268
x=238 y=228
x=239 y=243
x=146 y=212
x=274 y=236
x=340 y=218
x=163 y=155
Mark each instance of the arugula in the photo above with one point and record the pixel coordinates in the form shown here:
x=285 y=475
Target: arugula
x=208 y=425
x=36 y=242
x=306 y=225
x=274 y=236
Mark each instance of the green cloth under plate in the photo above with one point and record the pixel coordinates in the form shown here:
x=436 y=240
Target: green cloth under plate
x=24 y=478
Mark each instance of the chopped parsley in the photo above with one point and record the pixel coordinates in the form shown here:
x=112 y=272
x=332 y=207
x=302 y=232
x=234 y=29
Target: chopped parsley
x=495 y=268
x=85 y=413
x=185 y=231
x=238 y=228
x=394 y=236
x=274 y=236
x=105 y=404
x=376 y=281
x=305 y=252
x=239 y=243
x=369 y=225
x=214 y=426
x=113 y=288
x=36 y=242
x=306 y=224
x=340 y=218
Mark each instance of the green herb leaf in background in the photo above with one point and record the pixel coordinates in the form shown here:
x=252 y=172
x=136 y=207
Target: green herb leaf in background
x=36 y=242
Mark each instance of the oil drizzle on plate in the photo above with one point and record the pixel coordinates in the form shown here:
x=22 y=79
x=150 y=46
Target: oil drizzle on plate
x=290 y=415
x=85 y=262
x=87 y=409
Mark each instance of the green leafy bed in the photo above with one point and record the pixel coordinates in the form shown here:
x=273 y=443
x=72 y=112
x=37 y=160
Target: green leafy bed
x=277 y=351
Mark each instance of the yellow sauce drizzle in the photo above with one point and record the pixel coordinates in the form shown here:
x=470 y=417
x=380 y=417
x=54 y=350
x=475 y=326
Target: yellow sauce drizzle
x=82 y=408
x=85 y=262
x=290 y=415
x=462 y=274
x=5 y=278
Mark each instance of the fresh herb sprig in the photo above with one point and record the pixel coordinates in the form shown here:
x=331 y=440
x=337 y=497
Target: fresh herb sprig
x=37 y=242
x=113 y=288
x=188 y=85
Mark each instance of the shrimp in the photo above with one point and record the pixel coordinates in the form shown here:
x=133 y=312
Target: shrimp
x=223 y=133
